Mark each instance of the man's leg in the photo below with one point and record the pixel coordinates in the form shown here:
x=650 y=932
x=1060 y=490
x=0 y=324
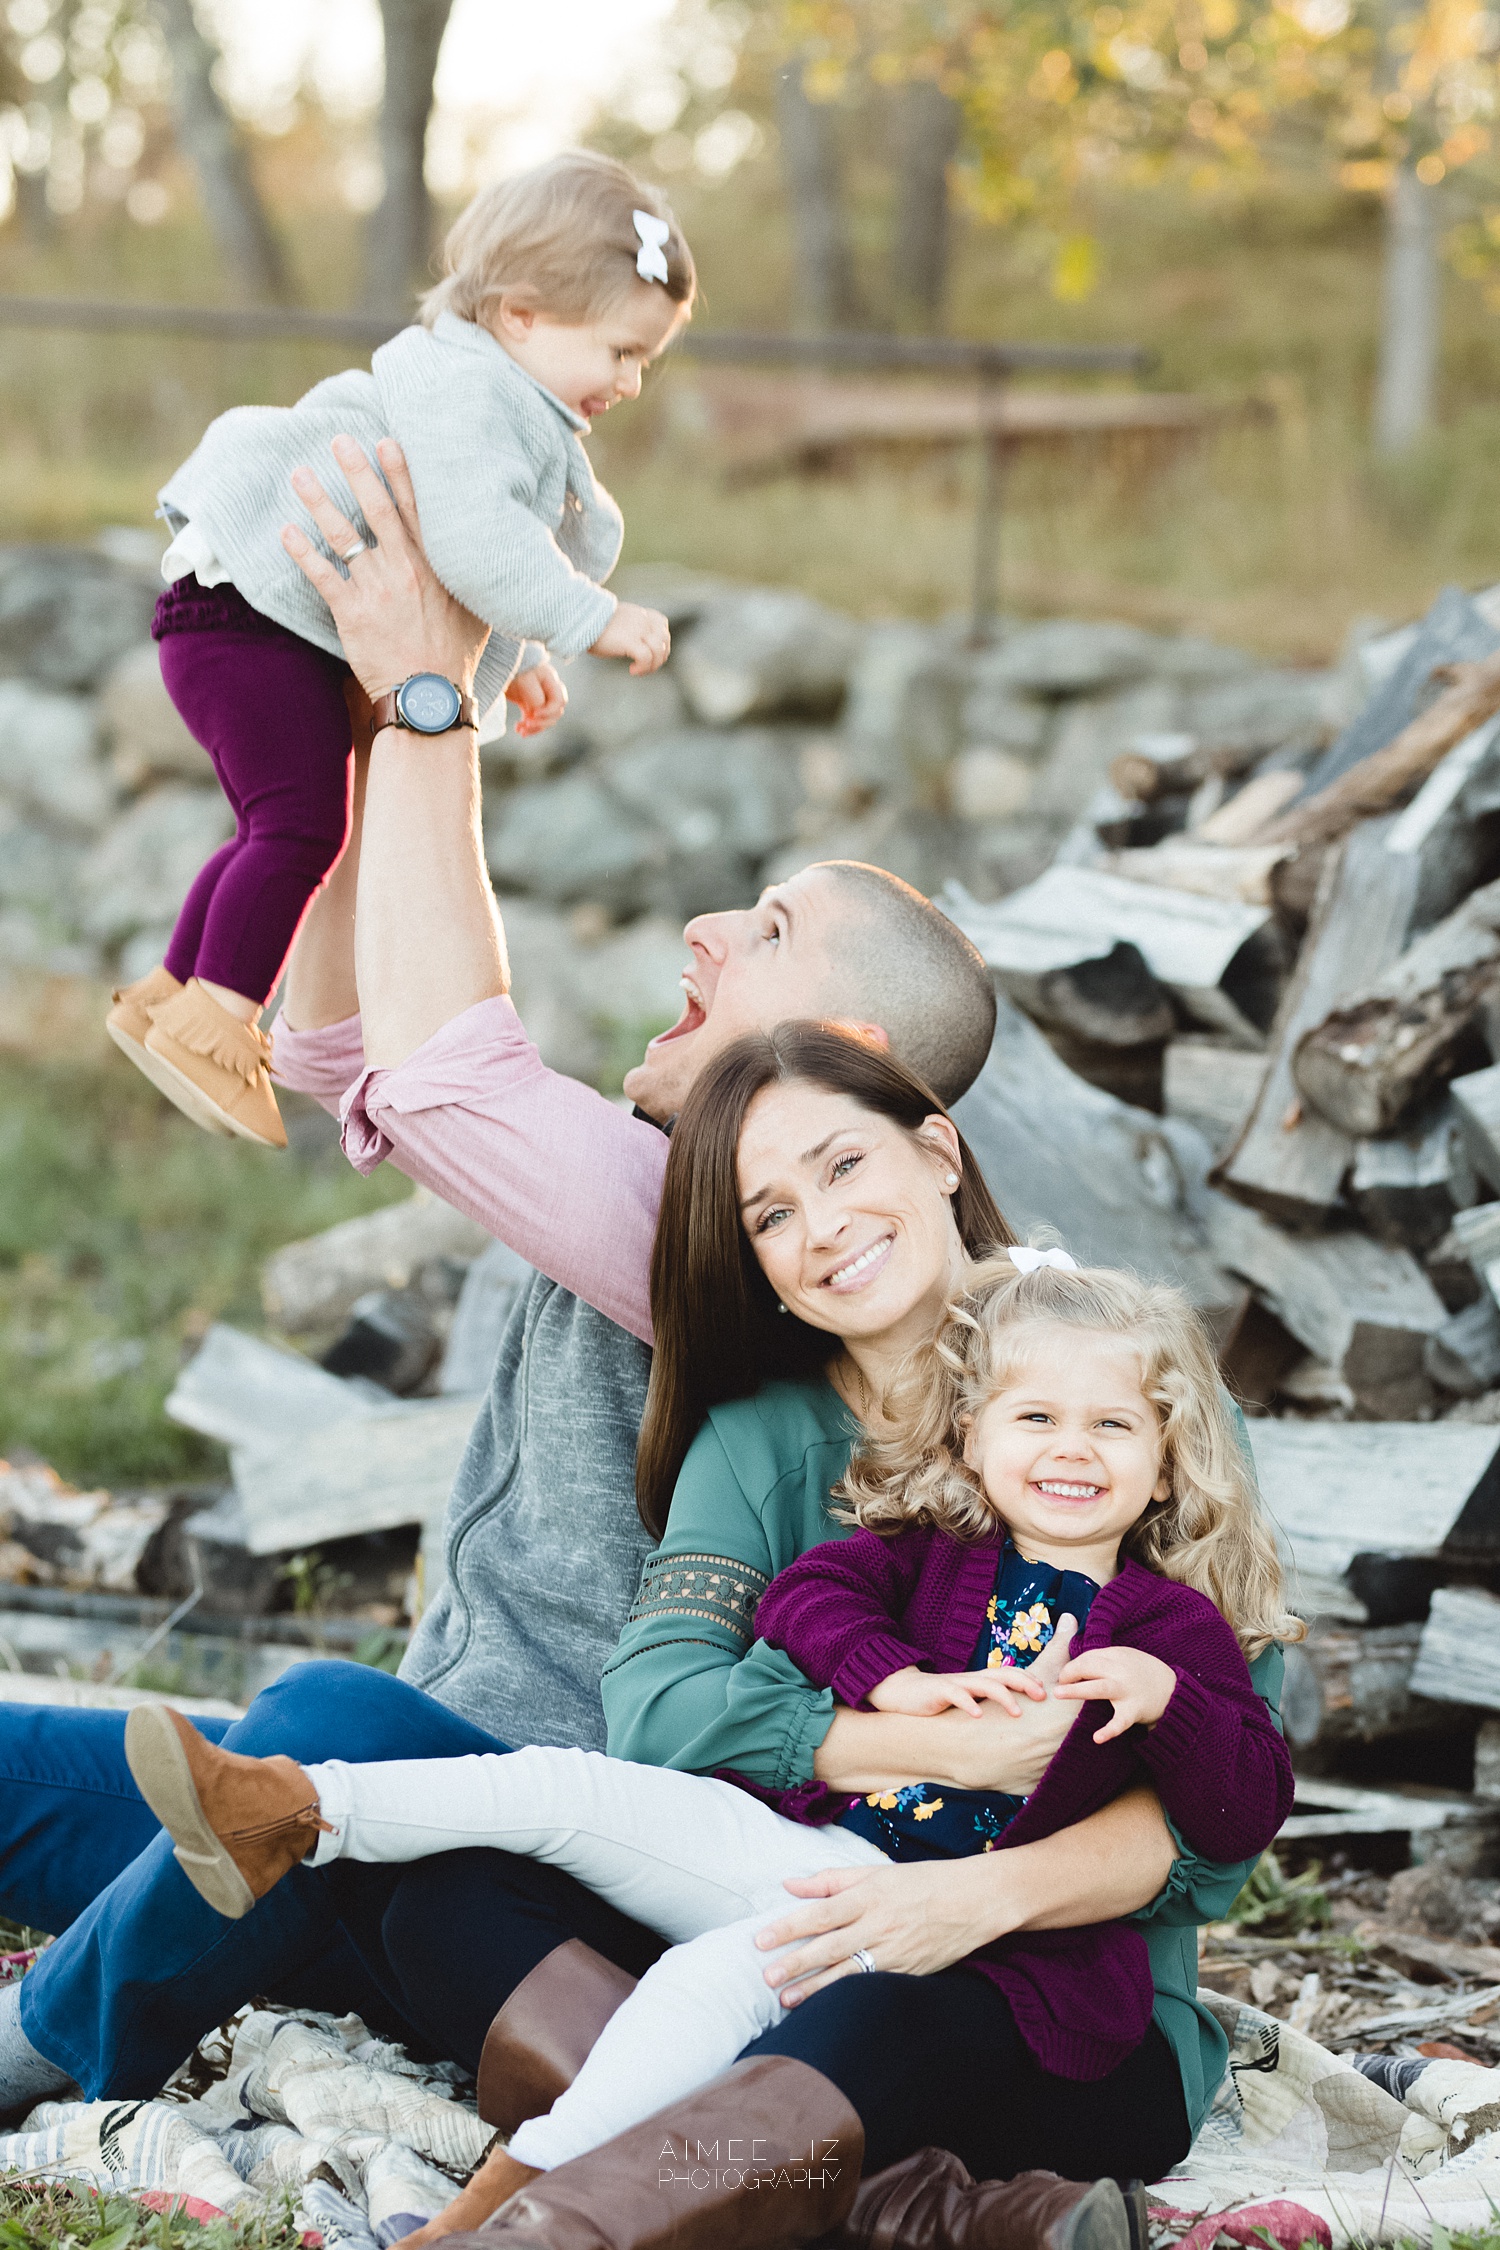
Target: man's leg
x=147 y=1967
x=71 y=1818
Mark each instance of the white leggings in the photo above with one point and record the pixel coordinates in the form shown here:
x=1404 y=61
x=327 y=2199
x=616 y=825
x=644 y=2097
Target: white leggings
x=698 y=1861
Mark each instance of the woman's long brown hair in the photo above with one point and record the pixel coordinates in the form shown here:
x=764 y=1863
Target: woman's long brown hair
x=718 y=1333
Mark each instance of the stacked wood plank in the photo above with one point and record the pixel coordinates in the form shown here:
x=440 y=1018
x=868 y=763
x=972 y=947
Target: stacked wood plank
x=1324 y=928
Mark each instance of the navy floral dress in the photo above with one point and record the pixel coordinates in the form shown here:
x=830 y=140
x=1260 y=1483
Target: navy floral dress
x=928 y=1820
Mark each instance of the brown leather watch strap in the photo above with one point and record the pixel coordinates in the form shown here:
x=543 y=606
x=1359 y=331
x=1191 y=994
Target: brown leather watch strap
x=385 y=714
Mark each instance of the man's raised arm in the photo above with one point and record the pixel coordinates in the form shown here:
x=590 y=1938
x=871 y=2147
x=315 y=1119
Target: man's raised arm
x=451 y=1089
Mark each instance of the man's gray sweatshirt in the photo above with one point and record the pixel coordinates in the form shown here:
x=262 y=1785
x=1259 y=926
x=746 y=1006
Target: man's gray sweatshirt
x=513 y=519
x=542 y=1540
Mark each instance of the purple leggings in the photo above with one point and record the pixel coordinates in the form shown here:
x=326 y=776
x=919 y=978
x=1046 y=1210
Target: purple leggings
x=269 y=710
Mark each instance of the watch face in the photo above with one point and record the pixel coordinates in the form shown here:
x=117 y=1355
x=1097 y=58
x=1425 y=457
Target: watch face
x=428 y=703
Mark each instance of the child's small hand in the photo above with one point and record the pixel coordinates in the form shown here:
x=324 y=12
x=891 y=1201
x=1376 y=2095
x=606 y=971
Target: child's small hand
x=643 y=635
x=922 y=1695
x=540 y=697
x=1139 y=1686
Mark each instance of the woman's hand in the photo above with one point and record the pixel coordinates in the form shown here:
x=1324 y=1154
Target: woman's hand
x=393 y=616
x=921 y=1695
x=540 y=697
x=1139 y=1686
x=915 y=1919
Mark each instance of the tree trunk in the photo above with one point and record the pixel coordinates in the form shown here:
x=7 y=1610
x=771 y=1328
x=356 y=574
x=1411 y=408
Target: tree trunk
x=398 y=238
x=928 y=134
x=1410 y=316
x=827 y=292
x=214 y=148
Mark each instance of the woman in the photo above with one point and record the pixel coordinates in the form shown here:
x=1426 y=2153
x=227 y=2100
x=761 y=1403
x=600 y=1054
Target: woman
x=818 y=1211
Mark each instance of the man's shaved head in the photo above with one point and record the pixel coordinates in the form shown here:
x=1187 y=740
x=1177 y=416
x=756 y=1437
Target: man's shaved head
x=901 y=963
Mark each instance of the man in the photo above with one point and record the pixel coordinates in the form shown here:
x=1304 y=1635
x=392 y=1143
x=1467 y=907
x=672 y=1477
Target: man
x=395 y=1011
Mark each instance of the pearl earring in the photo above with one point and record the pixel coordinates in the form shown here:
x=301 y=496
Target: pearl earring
x=952 y=1179
x=780 y=1307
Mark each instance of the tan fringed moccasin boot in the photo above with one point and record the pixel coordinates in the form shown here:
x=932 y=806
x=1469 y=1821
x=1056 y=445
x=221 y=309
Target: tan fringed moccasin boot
x=238 y=1824
x=129 y=1020
x=214 y=1067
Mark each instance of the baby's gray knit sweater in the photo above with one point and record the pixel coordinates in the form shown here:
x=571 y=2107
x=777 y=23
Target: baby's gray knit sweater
x=515 y=524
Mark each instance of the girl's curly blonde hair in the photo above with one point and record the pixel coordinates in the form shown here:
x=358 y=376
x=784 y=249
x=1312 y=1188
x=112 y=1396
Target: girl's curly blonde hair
x=1211 y=1532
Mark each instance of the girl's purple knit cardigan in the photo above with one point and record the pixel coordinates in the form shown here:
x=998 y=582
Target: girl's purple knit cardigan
x=852 y=1611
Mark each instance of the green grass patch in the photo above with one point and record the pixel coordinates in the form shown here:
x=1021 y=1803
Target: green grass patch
x=123 y=1232
x=60 y=2217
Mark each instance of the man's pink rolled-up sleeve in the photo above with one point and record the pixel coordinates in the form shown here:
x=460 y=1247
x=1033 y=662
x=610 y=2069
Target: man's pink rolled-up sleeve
x=563 y=1176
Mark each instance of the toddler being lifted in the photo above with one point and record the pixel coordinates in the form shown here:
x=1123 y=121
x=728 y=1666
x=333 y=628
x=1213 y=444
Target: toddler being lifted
x=561 y=285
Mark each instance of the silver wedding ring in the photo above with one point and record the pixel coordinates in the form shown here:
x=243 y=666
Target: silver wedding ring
x=865 y=1958
x=349 y=553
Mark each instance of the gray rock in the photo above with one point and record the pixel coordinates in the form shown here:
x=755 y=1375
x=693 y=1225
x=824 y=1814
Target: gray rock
x=48 y=763
x=997 y=717
x=1183 y=656
x=903 y=720
x=1092 y=733
x=920 y=846
x=682 y=595
x=1066 y=656
x=607 y=709
x=1263 y=711
x=570 y=839
x=38 y=869
x=589 y=1004
x=138 y=874
x=490 y=1289
x=723 y=800
x=143 y=951
x=766 y=654
x=67 y=613
x=147 y=738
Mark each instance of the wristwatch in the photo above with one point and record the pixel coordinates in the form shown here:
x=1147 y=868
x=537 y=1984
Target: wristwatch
x=426 y=704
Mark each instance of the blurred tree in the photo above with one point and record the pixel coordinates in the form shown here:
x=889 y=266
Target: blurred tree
x=398 y=238
x=813 y=175
x=214 y=146
x=929 y=128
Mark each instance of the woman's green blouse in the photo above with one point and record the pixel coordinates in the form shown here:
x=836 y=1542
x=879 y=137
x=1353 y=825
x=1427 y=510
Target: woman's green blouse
x=690 y=1686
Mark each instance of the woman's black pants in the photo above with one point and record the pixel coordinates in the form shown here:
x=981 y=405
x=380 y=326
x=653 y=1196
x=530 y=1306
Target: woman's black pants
x=925 y=2061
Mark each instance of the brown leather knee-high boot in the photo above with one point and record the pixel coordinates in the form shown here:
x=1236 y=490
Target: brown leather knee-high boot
x=543 y=2035
x=930 y=2202
x=765 y=2158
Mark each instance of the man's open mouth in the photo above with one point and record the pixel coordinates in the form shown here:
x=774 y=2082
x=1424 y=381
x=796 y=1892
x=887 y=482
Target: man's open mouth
x=694 y=1015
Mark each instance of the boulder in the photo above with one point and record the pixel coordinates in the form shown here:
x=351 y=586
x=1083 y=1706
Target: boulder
x=903 y=718
x=48 y=761
x=1066 y=656
x=571 y=839
x=765 y=654
x=139 y=872
x=66 y=614
x=37 y=868
x=997 y=717
x=988 y=785
x=1185 y=657
x=592 y=1002
x=146 y=736
x=1263 y=711
x=723 y=801
x=607 y=709
x=1090 y=736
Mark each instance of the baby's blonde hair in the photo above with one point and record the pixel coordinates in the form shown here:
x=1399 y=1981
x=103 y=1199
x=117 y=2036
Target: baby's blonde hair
x=1210 y=1533
x=560 y=239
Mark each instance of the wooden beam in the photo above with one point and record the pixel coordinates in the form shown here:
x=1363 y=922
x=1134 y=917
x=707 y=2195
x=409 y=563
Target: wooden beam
x=1380 y=1050
x=1458 y=1659
x=1340 y=1490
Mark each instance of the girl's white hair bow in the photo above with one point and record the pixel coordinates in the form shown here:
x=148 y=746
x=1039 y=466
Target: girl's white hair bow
x=1026 y=1260
x=651 y=258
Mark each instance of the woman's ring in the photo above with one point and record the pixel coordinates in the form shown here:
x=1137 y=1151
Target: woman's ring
x=359 y=548
x=865 y=1958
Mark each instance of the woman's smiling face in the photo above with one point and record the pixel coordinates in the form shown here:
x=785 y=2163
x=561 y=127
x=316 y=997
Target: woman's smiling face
x=849 y=1215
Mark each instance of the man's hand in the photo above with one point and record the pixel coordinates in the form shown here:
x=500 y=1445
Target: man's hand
x=643 y=635
x=540 y=697
x=1139 y=1686
x=921 y=1695
x=393 y=615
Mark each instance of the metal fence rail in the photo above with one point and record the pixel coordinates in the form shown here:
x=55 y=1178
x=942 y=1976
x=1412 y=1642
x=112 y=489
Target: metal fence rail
x=991 y=365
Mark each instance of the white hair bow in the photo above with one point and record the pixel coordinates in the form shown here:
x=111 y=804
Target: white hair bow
x=1026 y=1260
x=651 y=258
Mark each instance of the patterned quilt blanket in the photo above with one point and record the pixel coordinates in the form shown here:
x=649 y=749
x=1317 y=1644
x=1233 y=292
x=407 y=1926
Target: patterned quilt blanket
x=368 y=2144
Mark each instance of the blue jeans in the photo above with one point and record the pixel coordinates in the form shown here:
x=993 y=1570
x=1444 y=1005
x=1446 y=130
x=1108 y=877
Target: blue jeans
x=144 y=1966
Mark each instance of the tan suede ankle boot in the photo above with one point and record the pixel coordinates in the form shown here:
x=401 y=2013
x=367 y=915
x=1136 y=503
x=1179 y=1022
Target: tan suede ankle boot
x=214 y=1067
x=238 y=1824
x=129 y=1020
